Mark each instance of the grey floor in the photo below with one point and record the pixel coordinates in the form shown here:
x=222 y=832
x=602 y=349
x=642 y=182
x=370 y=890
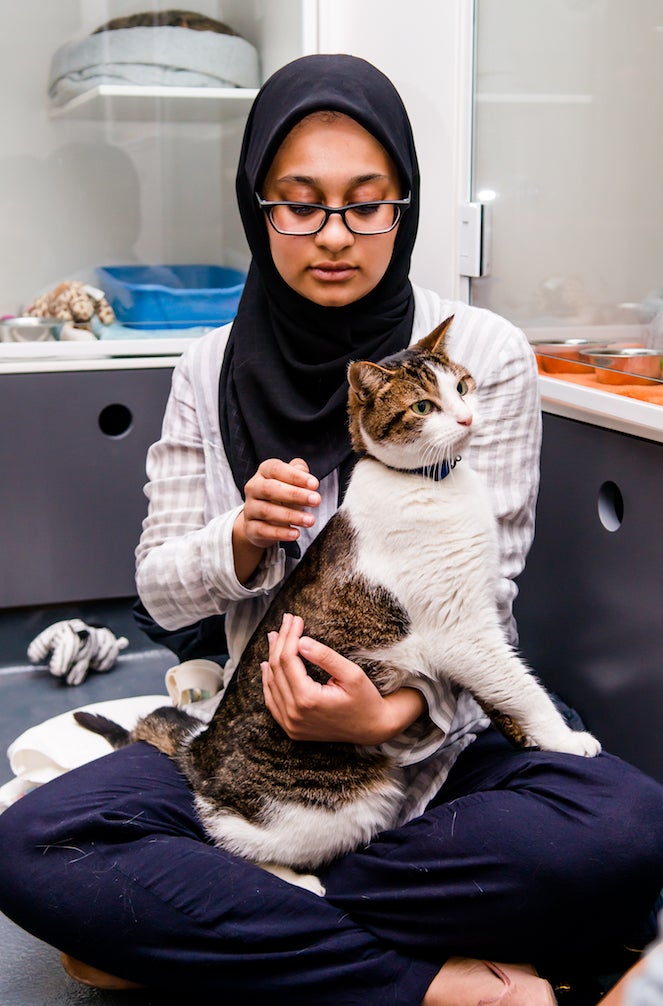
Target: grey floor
x=30 y=971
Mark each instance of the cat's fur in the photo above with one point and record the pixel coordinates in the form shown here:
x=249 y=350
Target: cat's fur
x=401 y=580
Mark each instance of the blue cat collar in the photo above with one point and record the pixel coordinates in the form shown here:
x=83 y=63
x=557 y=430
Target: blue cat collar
x=433 y=472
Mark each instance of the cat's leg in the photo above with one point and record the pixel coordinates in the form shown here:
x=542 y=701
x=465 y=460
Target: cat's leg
x=515 y=700
x=306 y=880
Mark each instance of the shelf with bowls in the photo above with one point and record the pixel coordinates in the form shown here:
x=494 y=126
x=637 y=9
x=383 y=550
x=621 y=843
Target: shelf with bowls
x=612 y=363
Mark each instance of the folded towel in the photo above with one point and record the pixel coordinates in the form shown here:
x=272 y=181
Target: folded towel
x=55 y=746
x=151 y=57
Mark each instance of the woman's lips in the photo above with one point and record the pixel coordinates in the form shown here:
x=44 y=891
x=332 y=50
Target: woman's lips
x=333 y=272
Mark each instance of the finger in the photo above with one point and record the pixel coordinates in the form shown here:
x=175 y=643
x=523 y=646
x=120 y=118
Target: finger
x=277 y=688
x=290 y=663
x=295 y=473
x=271 y=694
x=279 y=682
x=277 y=515
x=78 y=671
x=284 y=643
x=295 y=686
x=293 y=629
x=300 y=463
x=65 y=652
x=41 y=644
x=329 y=660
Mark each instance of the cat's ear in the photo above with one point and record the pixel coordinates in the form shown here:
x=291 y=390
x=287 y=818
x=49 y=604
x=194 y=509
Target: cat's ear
x=434 y=341
x=366 y=378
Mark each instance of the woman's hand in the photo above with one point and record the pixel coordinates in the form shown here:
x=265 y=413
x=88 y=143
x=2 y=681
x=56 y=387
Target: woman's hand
x=348 y=707
x=277 y=502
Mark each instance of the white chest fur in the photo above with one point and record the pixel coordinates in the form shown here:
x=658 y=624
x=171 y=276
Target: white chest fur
x=433 y=546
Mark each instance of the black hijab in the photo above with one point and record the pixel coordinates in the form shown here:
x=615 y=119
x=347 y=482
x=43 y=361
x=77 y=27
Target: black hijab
x=283 y=387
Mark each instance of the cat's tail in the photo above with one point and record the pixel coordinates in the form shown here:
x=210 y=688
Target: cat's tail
x=165 y=728
x=115 y=734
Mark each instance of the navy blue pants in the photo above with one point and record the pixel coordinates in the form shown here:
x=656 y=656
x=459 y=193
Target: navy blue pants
x=533 y=856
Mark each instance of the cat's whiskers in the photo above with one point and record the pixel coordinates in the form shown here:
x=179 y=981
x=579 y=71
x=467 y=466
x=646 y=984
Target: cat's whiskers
x=433 y=461
x=438 y=458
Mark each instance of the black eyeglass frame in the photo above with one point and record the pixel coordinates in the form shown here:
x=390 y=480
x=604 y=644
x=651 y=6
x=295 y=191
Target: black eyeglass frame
x=267 y=206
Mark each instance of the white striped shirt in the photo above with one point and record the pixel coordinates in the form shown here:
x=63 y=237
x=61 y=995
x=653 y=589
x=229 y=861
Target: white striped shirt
x=184 y=561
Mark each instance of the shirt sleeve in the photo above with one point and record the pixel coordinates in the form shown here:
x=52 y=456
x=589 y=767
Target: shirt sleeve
x=505 y=450
x=184 y=560
x=645 y=987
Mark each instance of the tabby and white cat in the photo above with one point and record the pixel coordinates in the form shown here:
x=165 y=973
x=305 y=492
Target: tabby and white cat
x=402 y=581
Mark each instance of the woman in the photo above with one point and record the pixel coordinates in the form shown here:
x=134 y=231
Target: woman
x=505 y=855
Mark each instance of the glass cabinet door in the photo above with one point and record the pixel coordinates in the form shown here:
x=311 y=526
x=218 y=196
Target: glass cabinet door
x=568 y=156
x=117 y=167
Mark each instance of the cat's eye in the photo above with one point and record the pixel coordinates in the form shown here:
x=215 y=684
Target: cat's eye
x=462 y=387
x=422 y=408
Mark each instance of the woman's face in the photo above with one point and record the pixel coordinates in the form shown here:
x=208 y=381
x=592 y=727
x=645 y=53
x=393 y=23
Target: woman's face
x=331 y=159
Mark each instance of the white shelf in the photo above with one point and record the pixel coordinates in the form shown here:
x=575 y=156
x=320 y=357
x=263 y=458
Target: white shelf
x=119 y=102
x=44 y=357
x=601 y=408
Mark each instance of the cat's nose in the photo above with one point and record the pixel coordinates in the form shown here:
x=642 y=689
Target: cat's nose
x=466 y=420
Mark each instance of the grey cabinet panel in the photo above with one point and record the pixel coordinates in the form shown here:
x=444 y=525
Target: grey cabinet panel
x=72 y=464
x=589 y=609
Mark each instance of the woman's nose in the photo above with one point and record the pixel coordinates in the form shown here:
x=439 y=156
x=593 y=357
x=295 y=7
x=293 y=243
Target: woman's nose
x=334 y=235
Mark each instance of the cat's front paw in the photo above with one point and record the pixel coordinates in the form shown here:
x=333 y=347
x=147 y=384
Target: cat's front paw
x=579 y=742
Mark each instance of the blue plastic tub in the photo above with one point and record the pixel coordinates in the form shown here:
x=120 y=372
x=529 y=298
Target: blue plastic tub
x=172 y=296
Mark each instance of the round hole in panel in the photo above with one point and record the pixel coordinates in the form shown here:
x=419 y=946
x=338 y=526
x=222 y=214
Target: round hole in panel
x=115 y=420
x=611 y=506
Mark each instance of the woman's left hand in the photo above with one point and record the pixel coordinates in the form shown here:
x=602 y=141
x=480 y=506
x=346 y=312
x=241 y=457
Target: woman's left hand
x=347 y=708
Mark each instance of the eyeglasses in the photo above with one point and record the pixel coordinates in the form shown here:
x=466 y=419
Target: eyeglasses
x=305 y=219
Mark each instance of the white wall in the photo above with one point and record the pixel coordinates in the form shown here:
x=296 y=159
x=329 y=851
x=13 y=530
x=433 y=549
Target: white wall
x=425 y=47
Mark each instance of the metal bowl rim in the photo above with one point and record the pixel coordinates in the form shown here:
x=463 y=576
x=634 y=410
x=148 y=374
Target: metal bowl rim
x=628 y=352
x=29 y=321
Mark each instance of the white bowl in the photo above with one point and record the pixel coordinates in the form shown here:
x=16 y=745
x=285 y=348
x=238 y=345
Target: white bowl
x=28 y=329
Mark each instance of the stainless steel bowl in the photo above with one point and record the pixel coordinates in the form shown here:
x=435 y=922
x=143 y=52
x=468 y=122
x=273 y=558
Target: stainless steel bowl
x=28 y=329
x=563 y=356
x=621 y=366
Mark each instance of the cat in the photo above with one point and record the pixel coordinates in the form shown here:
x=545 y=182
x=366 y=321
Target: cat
x=402 y=581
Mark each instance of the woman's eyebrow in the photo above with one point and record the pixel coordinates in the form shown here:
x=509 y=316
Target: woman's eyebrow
x=374 y=177
x=316 y=182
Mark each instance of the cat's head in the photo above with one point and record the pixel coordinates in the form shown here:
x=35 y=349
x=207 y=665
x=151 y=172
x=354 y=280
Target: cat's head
x=415 y=409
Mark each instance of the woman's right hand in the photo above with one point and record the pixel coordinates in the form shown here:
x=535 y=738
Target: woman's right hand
x=277 y=503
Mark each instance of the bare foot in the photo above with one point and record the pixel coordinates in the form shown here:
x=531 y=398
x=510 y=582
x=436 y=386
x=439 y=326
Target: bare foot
x=463 y=981
x=85 y=974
